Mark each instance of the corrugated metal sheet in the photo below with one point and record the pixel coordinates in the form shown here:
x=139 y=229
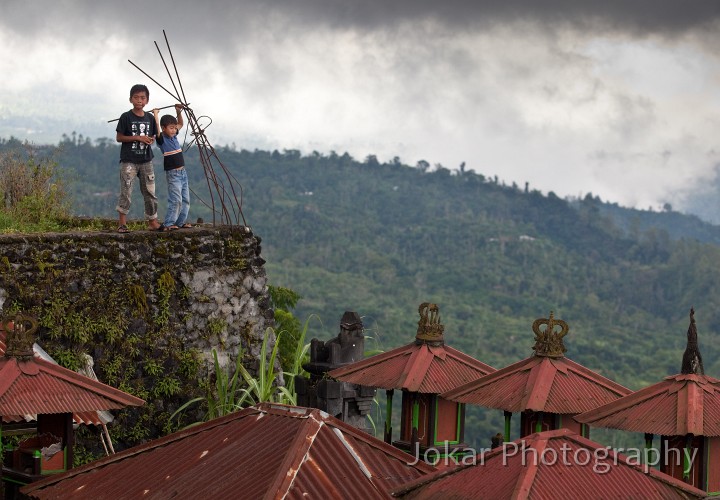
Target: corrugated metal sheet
x=82 y=418
x=269 y=451
x=540 y=383
x=416 y=368
x=556 y=465
x=678 y=405
x=37 y=386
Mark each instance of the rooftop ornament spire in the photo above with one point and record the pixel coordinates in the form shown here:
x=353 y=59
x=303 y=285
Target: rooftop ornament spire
x=549 y=340
x=692 y=359
x=20 y=331
x=430 y=330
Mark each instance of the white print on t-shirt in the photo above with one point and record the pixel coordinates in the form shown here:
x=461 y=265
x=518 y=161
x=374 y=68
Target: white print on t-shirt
x=133 y=129
x=142 y=145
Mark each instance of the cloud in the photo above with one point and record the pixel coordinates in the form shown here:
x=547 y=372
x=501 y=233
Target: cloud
x=618 y=97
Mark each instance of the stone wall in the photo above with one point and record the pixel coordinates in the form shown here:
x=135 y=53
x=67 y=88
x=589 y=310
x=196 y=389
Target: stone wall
x=149 y=307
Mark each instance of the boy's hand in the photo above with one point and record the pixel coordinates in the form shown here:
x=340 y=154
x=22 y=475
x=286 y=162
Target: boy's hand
x=147 y=139
x=155 y=111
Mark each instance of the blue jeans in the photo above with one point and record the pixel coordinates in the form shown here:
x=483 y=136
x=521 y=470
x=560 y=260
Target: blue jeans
x=178 y=197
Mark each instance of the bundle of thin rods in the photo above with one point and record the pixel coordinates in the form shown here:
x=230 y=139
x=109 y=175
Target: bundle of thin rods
x=225 y=191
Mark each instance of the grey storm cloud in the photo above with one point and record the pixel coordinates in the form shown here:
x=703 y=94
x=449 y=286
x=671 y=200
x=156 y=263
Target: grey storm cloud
x=233 y=18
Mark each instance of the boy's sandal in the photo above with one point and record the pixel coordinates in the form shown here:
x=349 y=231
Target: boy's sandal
x=187 y=225
x=164 y=228
x=122 y=228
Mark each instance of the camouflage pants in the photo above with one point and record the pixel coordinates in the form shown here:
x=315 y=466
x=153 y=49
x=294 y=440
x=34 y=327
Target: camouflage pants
x=146 y=174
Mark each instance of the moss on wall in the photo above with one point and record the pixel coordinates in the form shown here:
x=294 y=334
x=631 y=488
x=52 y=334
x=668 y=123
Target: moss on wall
x=148 y=307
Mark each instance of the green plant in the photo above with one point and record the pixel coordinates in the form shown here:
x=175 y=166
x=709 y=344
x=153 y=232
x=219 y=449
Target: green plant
x=299 y=357
x=165 y=287
x=283 y=301
x=166 y=387
x=188 y=362
x=224 y=397
x=138 y=298
x=216 y=326
x=227 y=395
x=32 y=191
x=153 y=367
x=263 y=387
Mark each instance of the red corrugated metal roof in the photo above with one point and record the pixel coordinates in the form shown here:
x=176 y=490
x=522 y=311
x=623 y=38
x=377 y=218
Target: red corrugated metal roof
x=555 y=465
x=86 y=418
x=269 y=451
x=416 y=367
x=540 y=383
x=33 y=385
x=676 y=406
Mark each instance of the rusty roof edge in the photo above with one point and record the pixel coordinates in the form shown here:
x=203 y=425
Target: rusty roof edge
x=84 y=382
x=303 y=442
x=139 y=449
x=427 y=478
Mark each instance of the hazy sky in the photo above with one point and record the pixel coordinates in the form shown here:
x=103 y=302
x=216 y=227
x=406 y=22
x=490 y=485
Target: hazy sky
x=620 y=98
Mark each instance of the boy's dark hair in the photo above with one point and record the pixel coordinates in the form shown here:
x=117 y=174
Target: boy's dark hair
x=166 y=120
x=139 y=88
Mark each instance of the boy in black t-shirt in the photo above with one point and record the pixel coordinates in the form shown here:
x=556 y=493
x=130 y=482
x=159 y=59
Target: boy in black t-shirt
x=136 y=132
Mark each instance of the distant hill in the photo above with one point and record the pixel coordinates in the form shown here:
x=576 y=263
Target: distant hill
x=380 y=238
x=677 y=225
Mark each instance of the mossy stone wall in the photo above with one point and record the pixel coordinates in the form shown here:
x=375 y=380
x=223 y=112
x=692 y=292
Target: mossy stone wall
x=149 y=307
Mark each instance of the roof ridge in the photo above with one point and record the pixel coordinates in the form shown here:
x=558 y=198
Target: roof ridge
x=8 y=374
x=525 y=479
x=298 y=451
x=539 y=383
x=417 y=366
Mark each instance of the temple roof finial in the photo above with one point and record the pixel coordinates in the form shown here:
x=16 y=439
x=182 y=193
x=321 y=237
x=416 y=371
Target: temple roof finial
x=20 y=336
x=548 y=341
x=430 y=330
x=692 y=359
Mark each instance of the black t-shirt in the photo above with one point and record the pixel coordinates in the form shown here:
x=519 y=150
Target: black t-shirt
x=131 y=124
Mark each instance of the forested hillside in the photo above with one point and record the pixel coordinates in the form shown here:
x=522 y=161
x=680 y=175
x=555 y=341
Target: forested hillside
x=380 y=239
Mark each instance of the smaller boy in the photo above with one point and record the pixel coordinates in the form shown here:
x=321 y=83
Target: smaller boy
x=178 y=204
